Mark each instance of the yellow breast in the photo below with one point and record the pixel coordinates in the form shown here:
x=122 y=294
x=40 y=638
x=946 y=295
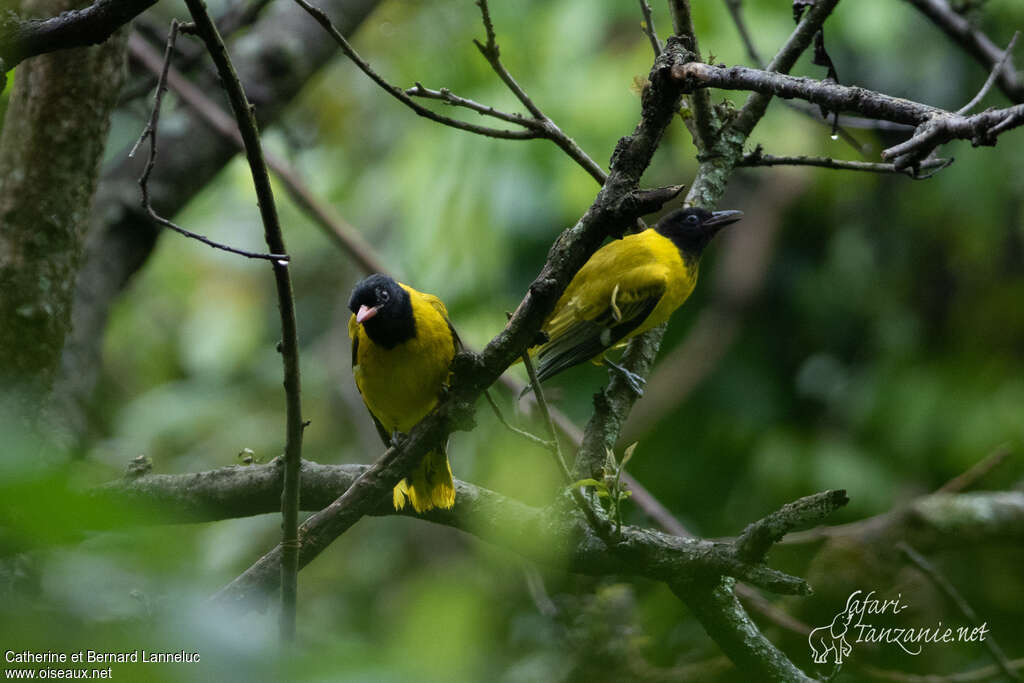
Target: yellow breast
x=402 y=384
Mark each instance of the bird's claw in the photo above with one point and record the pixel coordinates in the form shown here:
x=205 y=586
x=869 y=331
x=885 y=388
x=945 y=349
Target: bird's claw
x=634 y=381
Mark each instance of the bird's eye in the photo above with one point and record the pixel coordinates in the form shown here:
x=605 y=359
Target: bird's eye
x=382 y=295
x=692 y=219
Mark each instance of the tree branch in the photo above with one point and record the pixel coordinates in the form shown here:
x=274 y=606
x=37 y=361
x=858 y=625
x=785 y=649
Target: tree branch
x=150 y=132
x=990 y=81
x=339 y=231
x=321 y=17
x=289 y=347
x=943 y=584
x=758 y=159
x=974 y=42
x=703 y=114
x=829 y=95
x=721 y=614
x=934 y=126
x=648 y=28
x=492 y=54
x=21 y=39
x=546 y=535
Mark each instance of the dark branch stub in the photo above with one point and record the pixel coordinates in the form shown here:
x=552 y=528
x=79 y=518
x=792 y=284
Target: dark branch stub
x=759 y=537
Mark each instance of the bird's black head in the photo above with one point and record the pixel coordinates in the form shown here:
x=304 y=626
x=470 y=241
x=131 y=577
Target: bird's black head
x=384 y=310
x=691 y=229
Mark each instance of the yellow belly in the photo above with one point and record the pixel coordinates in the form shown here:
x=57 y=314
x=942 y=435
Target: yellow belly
x=402 y=384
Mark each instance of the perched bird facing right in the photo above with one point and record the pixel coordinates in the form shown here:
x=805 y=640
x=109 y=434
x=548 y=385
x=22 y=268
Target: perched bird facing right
x=627 y=287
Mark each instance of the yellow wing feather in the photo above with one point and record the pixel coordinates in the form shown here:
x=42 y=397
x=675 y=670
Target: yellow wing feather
x=639 y=275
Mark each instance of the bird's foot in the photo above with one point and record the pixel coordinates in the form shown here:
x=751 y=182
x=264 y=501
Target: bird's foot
x=398 y=438
x=635 y=381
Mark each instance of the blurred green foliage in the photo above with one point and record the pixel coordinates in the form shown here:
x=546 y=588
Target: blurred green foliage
x=885 y=355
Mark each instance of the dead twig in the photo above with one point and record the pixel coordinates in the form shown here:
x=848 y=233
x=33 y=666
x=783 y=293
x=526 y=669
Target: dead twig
x=150 y=133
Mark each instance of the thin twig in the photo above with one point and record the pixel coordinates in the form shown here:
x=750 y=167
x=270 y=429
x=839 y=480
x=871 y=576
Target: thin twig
x=943 y=584
x=600 y=526
x=783 y=61
x=649 y=30
x=448 y=97
x=492 y=54
x=703 y=114
x=967 y=479
x=336 y=228
x=973 y=41
x=758 y=159
x=542 y=403
x=321 y=17
x=990 y=81
x=150 y=132
x=837 y=127
x=289 y=348
x=241 y=15
x=547 y=445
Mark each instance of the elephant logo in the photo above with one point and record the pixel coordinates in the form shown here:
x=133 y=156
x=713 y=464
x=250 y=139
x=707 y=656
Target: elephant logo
x=832 y=638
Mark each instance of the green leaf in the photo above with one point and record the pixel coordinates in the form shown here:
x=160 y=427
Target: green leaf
x=628 y=454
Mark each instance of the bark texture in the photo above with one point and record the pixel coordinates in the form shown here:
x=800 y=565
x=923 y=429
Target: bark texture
x=51 y=145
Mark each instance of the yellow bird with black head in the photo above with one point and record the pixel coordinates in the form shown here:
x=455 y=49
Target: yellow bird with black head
x=402 y=348
x=627 y=287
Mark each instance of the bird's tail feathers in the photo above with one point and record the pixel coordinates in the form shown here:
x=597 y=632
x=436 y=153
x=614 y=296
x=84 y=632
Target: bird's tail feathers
x=430 y=485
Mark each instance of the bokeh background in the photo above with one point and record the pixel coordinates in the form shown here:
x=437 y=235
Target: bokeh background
x=856 y=331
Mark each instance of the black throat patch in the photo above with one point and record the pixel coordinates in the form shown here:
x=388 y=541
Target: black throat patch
x=394 y=322
x=689 y=243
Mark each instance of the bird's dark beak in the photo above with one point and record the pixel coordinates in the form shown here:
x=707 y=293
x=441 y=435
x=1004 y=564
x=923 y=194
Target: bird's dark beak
x=365 y=313
x=720 y=219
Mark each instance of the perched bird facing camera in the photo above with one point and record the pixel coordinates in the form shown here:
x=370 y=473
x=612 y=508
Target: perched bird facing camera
x=627 y=287
x=402 y=346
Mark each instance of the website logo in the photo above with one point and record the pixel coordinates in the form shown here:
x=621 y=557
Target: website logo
x=858 y=623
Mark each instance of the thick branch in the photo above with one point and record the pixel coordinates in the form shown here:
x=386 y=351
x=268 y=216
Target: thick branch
x=934 y=522
x=758 y=537
x=832 y=96
x=612 y=406
x=721 y=614
x=20 y=39
x=934 y=126
x=547 y=535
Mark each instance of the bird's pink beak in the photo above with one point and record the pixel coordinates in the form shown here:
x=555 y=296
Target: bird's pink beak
x=365 y=313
